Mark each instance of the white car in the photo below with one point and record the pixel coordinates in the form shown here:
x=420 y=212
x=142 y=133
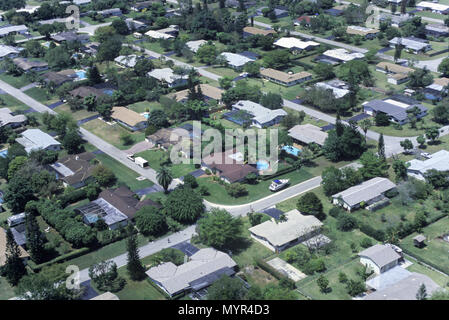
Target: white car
x=425 y=155
x=277 y=185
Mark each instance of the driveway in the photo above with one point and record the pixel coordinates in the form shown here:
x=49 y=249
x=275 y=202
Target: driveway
x=139 y=147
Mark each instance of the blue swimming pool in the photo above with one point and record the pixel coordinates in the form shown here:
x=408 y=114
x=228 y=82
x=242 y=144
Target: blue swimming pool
x=146 y=115
x=262 y=165
x=4 y=153
x=291 y=150
x=81 y=74
x=109 y=92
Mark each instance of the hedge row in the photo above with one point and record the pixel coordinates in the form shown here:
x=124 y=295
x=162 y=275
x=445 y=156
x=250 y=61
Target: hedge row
x=278 y=173
x=275 y=273
x=424 y=260
x=72 y=197
x=68 y=256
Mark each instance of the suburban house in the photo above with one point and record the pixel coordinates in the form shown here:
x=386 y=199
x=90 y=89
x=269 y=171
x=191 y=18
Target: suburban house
x=10 y=29
x=195 y=45
x=172 y=30
x=128 y=61
x=35 y=139
x=84 y=91
x=7 y=119
x=364 y=194
x=51 y=21
x=303 y=21
x=135 y=24
x=432 y=6
x=19 y=234
x=380 y=258
x=114 y=12
x=203 y=268
x=340 y=55
x=396 y=20
x=167 y=76
x=284 y=78
x=81 y=2
x=158 y=35
x=395 y=107
x=23 y=254
x=8 y=52
x=437 y=30
x=209 y=93
x=438 y=161
x=252 y=31
x=261 y=117
x=411 y=44
x=336 y=11
x=139 y=6
x=339 y=88
x=55 y=78
x=400 y=284
x=106 y=296
x=70 y=36
x=115 y=206
x=234 y=60
x=396 y=74
x=277 y=236
x=236 y=4
x=30 y=65
x=129 y=118
x=304 y=134
x=229 y=165
x=167 y=137
x=16 y=219
x=295 y=45
x=437 y=90
x=279 y=13
x=75 y=170
x=366 y=33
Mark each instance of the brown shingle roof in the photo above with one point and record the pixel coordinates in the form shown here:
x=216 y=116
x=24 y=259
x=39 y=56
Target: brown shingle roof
x=283 y=76
x=56 y=78
x=207 y=90
x=392 y=67
x=441 y=81
x=80 y=165
x=26 y=64
x=127 y=116
x=86 y=91
x=257 y=31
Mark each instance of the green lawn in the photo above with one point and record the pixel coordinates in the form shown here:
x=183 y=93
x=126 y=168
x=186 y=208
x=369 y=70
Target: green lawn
x=123 y=173
x=436 y=250
x=6 y=291
x=17 y=82
x=439 y=278
x=12 y=103
x=143 y=106
x=77 y=115
x=138 y=290
x=224 y=72
x=112 y=133
x=41 y=95
x=155 y=157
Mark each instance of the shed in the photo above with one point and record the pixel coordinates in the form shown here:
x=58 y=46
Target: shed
x=419 y=241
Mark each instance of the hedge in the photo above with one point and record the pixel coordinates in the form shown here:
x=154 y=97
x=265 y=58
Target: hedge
x=68 y=256
x=72 y=197
x=275 y=273
x=444 y=269
x=278 y=173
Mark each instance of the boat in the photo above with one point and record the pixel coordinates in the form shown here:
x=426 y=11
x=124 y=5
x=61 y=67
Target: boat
x=277 y=185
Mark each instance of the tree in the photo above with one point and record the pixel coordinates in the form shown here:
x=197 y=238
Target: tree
x=381 y=148
x=58 y=58
x=309 y=203
x=271 y=100
x=72 y=141
x=93 y=75
x=421 y=140
x=225 y=82
x=207 y=53
x=355 y=287
x=346 y=222
x=407 y=145
x=15 y=165
x=143 y=66
x=105 y=276
x=14 y=269
x=120 y=27
x=444 y=66
x=219 y=229
x=381 y=119
x=104 y=176
x=432 y=134
x=151 y=221
x=397 y=51
x=158 y=118
x=422 y=293
x=441 y=113
x=135 y=269
x=236 y=189
x=365 y=125
x=323 y=283
x=373 y=166
x=18 y=193
x=190 y=180
x=324 y=71
x=109 y=50
x=164 y=177
x=226 y=288
x=400 y=169
x=276 y=59
x=34 y=239
x=183 y=205
x=420 y=78
x=332 y=181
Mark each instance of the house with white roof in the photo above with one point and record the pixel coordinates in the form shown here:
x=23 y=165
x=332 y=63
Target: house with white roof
x=380 y=258
x=367 y=33
x=438 y=161
x=365 y=193
x=35 y=139
x=414 y=45
x=128 y=61
x=9 y=29
x=280 y=235
x=261 y=117
x=432 y=6
x=437 y=90
x=195 y=45
x=295 y=45
x=8 y=52
x=204 y=268
x=340 y=55
x=437 y=30
x=7 y=119
x=339 y=88
x=235 y=61
x=307 y=133
x=167 y=76
x=158 y=35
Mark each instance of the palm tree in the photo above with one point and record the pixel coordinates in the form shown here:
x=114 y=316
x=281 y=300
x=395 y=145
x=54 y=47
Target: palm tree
x=164 y=177
x=365 y=125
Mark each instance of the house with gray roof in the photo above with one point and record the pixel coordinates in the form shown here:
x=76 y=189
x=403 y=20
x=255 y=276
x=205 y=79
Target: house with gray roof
x=7 y=119
x=308 y=133
x=380 y=258
x=35 y=139
x=261 y=117
x=167 y=76
x=278 y=236
x=235 y=61
x=75 y=170
x=101 y=209
x=414 y=45
x=437 y=30
x=396 y=107
x=438 y=161
x=114 y=12
x=366 y=193
x=204 y=268
x=8 y=51
x=128 y=61
x=10 y=29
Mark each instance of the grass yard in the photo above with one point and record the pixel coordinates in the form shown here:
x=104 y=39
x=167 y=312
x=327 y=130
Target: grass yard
x=436 y=249
x=12 y=103
x=156 y=157
x=16 y=82
x=6 y=291
x=123 y=173
x=76 y=115
x=112 y=133
x=439 y=278
x=41 y=95
x=137 y=290
x=224 y=72
x=143 y=106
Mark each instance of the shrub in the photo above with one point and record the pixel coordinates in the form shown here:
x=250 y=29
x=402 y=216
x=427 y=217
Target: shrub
x=335 y=212
x=236 y=190
x=346 y=222
x=366 y=243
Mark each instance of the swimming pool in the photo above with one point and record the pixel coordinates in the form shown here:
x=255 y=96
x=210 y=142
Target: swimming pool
x=291 y=150
x=146 y=115
x=4 y=153
x=81 y=74
x=109 y=92
x=262 y=165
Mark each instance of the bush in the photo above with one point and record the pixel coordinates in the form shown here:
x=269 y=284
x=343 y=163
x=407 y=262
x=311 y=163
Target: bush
x=190 y=180
x=335 y=212
x=236 y=190
x=346 y=222
x=314 y=265
x=366 y=243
